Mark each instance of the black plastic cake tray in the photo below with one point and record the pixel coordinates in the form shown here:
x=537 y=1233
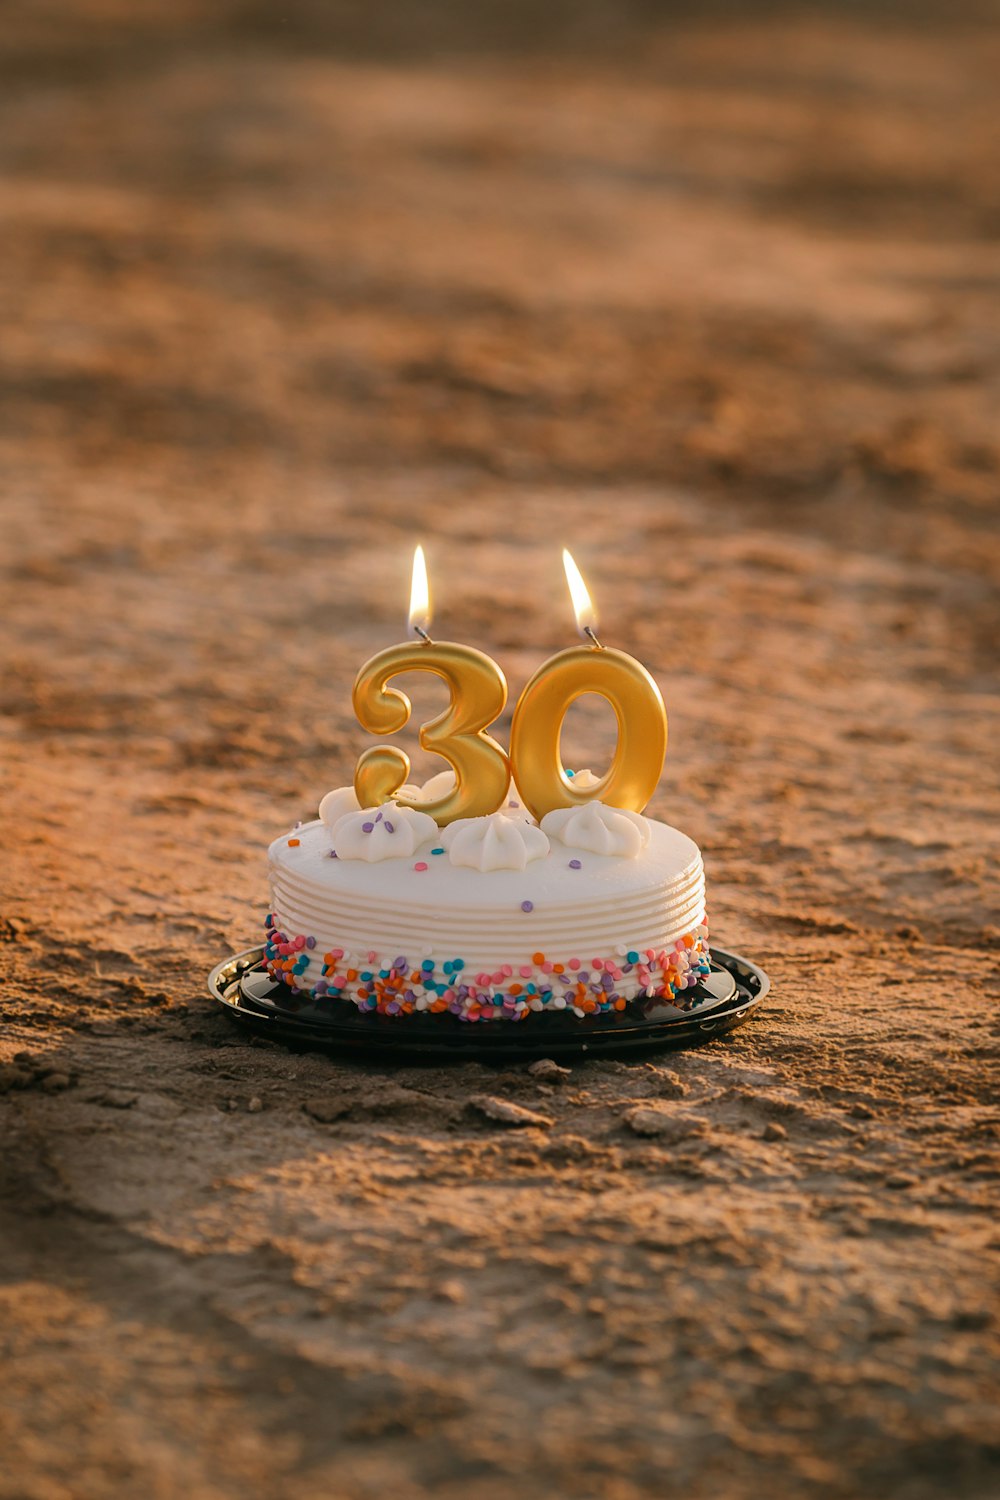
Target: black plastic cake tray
x=721 y=1001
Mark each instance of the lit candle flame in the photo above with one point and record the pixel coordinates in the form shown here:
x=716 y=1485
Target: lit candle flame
x=583 y=605
x=419 y=619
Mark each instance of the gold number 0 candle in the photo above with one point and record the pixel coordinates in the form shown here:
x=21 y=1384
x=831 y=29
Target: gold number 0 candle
x=538 y=719
x=478 y=694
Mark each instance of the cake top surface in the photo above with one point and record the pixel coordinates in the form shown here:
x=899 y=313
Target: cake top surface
x=562 y=876
x=487 y=892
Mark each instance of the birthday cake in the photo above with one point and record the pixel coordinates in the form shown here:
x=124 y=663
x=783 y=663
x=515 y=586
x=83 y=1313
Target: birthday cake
x=591 y=909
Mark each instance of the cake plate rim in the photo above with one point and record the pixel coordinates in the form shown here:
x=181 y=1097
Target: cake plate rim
x=388 y=1036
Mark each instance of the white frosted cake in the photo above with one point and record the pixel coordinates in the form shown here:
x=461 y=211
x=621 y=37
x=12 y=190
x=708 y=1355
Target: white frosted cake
x=488 y=919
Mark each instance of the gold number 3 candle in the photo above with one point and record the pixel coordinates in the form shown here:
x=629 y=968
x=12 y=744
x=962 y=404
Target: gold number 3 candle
x=538 y=719
x=478 y=694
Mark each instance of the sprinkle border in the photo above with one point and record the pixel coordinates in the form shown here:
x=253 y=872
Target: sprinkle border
x=511 y=993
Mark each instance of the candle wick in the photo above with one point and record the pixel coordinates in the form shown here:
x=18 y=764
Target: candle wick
x=589 y=630
x=419 y=630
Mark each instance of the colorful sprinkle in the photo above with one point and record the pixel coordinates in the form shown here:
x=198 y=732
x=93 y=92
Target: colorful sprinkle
x=435 y=851
x=421 y=864
x=527 y=905
x=576 y=864
x=294 y=843
x=396 y=988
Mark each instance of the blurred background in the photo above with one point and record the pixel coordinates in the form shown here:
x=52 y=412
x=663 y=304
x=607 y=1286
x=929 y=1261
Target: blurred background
x=745 y=247
x=707 y=292
x=630 y=241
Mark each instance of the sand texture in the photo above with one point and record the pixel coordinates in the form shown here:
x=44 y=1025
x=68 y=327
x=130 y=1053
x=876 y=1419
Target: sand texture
x=711 y=295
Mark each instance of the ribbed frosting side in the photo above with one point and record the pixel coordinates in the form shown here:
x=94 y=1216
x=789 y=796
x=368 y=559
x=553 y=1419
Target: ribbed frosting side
x=567 y=905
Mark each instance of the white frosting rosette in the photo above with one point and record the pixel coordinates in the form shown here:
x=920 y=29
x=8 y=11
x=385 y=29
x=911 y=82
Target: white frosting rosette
x=344 y=800
x=598 y=828
x=496 y=842
x=444 y=781
x=584 y=780
x=377 y=833
x=515 y=808
x=337 y=804
x=437 y=786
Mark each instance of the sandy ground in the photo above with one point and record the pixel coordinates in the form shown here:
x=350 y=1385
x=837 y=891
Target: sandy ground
x=715 y=301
